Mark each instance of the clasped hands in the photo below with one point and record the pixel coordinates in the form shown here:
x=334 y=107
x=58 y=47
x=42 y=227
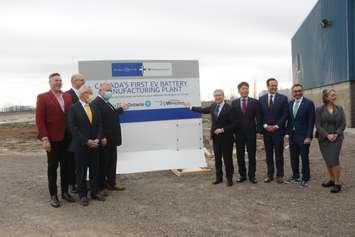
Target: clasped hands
x=332 y=137
x=94 y=143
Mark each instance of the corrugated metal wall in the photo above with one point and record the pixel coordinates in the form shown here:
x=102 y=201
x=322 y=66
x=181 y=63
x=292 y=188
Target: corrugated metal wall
x=321 y=55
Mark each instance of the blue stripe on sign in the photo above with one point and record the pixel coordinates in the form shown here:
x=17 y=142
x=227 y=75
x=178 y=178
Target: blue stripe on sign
x=157 y=115
x=127 y=69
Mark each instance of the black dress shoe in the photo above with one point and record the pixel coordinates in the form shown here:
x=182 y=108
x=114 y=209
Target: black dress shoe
x=253 y=180
x=98 y=197
x=218 y=181
x=328 y=184
x=241 y=179
x=54 y=201
x=68 y=197
x=84 y=201
x=229 y=182
x=73 y=189
x=336 y=188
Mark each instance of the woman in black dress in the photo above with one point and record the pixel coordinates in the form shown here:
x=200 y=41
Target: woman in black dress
x=330 y=124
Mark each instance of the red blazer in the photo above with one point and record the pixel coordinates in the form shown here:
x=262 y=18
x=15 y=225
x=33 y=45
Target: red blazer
x=51 y=121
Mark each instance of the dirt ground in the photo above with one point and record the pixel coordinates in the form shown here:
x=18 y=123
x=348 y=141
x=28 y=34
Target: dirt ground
x=162 y=204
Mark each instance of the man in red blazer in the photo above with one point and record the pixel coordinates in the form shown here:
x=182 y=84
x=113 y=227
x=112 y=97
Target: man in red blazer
x=51 y=121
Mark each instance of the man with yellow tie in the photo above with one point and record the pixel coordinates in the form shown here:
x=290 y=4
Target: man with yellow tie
x=85 y=125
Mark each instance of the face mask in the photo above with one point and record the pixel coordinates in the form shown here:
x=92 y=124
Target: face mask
x=107 y=95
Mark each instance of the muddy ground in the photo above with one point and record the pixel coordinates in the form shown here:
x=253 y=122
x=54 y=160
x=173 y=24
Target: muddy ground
x=161 y=204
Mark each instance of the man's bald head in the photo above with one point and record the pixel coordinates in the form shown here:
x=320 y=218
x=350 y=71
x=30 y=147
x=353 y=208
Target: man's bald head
x=77 y=80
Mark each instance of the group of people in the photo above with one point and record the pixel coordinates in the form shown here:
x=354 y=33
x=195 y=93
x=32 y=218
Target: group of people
x=272 y=117
x=79 y=133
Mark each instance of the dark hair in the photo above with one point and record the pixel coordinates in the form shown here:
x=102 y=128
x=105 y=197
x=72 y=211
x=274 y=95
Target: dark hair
x=269 y=80
x=325 y=94
x=297 y=85
x=53 y=75
x=243 y=84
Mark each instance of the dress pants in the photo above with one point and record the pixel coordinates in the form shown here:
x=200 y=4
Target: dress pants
x=274 y=144
x=242 y=141
x=297 y=149
x=107 y=166
x=87 y=158
x=71 y=169
x=223 y=149
x=58 y=155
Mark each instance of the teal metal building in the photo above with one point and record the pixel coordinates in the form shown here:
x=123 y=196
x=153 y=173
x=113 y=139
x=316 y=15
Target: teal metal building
x=323 y=52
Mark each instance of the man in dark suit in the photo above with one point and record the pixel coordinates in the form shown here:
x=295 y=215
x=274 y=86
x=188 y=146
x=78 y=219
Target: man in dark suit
x=274 y=109
x=112 y=133
x=248 y=112
x=51 y=115
x=223 y=124
x=86 y=128
x=77 y=80
x=300 y=128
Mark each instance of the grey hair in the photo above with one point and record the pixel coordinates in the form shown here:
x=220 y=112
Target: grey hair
x=218 y=90
x=85 y=88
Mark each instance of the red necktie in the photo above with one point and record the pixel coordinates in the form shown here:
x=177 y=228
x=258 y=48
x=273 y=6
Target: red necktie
x=270 y=102
x=244 y=105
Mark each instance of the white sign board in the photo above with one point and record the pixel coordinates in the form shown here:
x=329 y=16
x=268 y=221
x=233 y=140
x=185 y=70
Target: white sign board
x=158 y=133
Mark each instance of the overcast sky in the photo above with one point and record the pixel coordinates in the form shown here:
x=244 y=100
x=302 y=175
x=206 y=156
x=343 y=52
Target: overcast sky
x=234 y=40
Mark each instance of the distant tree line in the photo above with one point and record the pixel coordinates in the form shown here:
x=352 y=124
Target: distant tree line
x=17 y=108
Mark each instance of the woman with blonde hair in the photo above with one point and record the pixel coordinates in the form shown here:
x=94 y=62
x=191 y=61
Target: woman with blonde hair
x=330 y=124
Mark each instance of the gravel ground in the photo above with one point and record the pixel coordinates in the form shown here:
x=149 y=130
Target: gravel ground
x=161 y=204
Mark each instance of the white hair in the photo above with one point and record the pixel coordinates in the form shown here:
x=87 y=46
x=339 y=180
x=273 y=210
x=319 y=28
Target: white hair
x=85 y=88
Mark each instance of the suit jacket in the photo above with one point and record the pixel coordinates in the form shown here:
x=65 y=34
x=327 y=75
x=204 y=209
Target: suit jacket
x=303 y=123
x=278 y=114
x=80 y=127
x=51 y=120
x=110 y=121
x=71 y=92
x=227 y=119
x=250 y=122
x=327 y=123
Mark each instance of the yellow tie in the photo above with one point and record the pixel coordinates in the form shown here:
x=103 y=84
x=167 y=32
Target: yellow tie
x=88 y=112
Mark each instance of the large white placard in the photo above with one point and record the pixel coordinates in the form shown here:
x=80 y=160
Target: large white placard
x=158 y=133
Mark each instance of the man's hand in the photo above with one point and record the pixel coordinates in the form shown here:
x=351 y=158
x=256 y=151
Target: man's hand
x=187 y=104
x=124 y=106
x=46 y=144
x=218 y=131
x=92 y=143
x=307 y=141
x=269 y=128
x=104 y=141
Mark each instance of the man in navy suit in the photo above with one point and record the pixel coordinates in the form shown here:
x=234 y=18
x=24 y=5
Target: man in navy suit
x=86 y=128
x=274 y=109
x=77 y=80
x=300 y=127
x=223 y=124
